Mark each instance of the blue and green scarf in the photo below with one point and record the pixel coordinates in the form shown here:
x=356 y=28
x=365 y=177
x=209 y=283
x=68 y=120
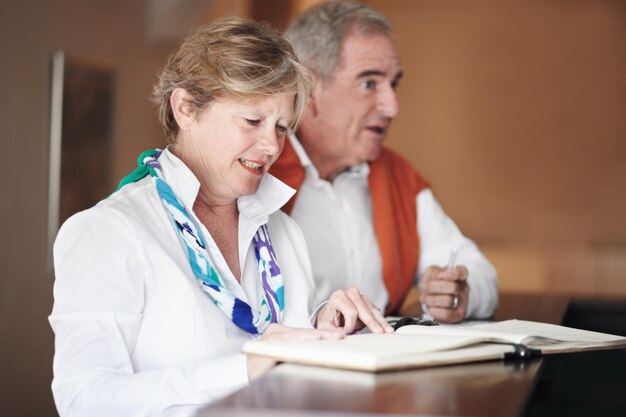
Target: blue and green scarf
x=241 y=313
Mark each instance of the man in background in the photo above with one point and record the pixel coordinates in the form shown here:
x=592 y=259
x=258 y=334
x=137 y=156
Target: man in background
x=369 y=219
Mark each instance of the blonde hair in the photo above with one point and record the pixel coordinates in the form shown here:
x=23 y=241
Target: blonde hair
x=231 y=58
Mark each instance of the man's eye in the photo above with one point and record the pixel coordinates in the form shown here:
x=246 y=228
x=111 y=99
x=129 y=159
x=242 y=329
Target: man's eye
x=253 y=122
x=368 y=84
x=394 y=84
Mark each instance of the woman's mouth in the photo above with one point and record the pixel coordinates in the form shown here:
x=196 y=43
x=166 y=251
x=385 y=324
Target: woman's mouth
x=254 y=167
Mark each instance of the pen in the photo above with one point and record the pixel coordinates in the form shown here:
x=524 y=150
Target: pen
x=451 y=265
x=452 y=260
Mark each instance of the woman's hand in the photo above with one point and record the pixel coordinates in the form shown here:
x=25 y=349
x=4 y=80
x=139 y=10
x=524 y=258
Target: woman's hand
x=258 y=365
x=350 y=310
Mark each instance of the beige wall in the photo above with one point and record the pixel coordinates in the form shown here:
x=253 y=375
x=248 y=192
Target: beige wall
x=514 y=111
x=30 y=31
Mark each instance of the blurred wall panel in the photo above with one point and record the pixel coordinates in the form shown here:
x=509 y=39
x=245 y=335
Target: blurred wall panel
x=30 y=32
x=276 y=12
x=516 y=111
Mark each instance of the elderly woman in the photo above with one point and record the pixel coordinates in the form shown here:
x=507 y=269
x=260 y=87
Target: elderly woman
x=159 y=285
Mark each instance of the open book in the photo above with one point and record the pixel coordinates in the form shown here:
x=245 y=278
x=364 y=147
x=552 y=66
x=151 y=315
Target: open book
x=418 y=346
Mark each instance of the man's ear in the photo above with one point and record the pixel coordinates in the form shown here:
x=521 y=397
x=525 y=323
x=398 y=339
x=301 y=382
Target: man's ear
x=182 y=108
x=317 y=90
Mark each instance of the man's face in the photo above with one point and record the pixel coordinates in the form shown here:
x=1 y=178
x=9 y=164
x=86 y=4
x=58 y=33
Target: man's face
x=352 y=111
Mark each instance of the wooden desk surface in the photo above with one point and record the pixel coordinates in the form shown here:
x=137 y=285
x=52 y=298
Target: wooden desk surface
x=481 y=389
x=534 y=307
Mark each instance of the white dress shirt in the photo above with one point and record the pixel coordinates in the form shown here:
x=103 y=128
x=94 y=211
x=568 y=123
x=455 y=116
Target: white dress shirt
x=134 y=332
x=337 y=221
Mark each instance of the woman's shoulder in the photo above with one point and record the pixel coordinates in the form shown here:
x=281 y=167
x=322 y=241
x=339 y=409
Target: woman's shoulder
x=129 y=195
x=280 y=219
x=115 y=211
x=283 y=227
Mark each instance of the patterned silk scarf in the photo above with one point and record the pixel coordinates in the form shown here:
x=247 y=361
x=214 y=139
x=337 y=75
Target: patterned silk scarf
x=193 y=243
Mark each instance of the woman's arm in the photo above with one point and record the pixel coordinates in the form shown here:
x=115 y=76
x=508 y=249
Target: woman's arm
x=100 y=297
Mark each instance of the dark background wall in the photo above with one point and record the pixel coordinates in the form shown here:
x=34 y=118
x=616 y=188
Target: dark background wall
x=514 y=110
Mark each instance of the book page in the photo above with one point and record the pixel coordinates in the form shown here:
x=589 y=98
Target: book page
x=466 y=331
x=553 y=338
x=368 y=352
x=418 y=346
x=546 y=337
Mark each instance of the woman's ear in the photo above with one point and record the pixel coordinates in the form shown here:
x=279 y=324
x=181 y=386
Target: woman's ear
x=182 y=108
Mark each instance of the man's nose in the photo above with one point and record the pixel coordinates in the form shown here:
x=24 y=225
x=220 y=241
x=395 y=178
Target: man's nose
x=388 y=102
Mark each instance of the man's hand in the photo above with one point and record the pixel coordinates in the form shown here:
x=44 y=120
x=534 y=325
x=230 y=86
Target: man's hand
x=445 y=292
x=258 y=365
x=350 y=310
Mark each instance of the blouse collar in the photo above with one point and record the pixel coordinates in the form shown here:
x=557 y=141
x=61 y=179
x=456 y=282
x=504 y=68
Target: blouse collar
x=270 y=197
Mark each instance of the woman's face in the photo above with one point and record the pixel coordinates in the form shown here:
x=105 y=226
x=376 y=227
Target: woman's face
x=233 y=143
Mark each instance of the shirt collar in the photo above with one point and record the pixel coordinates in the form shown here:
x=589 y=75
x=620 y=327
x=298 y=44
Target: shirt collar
x=300 y=152
x=270 y=197
x=361 y=170
x=183 y=182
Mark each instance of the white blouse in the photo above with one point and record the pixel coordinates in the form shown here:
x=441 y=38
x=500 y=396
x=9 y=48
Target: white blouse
x=134 y=332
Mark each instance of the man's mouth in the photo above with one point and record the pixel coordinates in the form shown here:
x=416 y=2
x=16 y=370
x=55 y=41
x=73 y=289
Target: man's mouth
x=377 y=129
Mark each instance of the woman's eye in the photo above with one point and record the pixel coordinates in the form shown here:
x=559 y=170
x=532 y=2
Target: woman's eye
x=282 y=129
x=253 y=122
x=368 y=84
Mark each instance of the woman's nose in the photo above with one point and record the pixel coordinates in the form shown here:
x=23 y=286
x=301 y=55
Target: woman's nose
x=269 y=142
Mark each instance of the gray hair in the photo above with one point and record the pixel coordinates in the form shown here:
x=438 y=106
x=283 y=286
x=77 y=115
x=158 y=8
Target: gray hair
x=318 y=33
x=231 y=58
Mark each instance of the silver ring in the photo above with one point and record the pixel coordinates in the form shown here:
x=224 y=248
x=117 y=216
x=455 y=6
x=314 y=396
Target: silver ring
x=455 y=302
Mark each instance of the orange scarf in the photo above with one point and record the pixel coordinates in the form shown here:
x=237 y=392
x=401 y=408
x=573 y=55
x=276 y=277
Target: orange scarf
x=394 y=185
